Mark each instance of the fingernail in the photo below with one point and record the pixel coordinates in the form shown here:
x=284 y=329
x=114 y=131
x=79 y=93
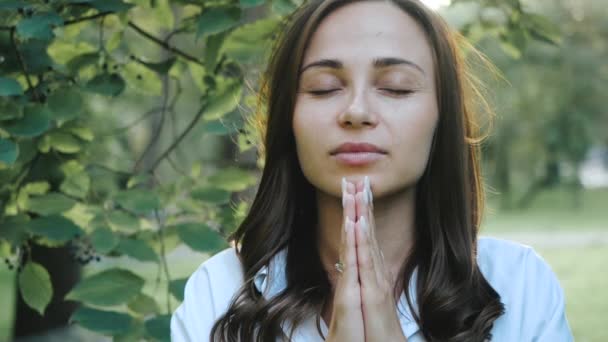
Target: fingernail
x=343 y=192
x=368 y=190
x=363 y=223
x=348 y=225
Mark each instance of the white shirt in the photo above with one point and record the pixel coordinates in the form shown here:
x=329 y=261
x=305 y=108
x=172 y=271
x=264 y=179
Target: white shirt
x=530 y=291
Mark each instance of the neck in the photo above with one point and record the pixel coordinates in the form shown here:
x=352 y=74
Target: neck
x=394 y=217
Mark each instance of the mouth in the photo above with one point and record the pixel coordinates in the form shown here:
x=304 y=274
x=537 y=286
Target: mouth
x=351 y=147
x=358 y=158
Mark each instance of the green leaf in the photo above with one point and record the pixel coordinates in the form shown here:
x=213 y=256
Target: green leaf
x=10 y=87
x=143 y=305
x=161 y=67
x=35 y=286
x=64 y=142
x=103 y=240
x=83 y=132
x=176 y=287
x=201 y=237
x=543 y=28
x=159 y=328
x=107 y=288
x=232 y=179
x=34 y=122
x=198 y=72
x=283 y=7
x=10 y=5
x=54 y=228
x=51 y=203
x=212 y=49
x=110 y=5
x=36 y=188
x=122 y=221
x=138 y=200
x=137 y=249
x=8 y=152
x=9 y=109
x=82 y=60
x=217 y=127
x=218 y=19
x=39 y=26
x=35 y=56
x=101 y=321
x=12 y=229
x=224 y=102
x=211 y=195
x=106 y=84
x=142 y=79
x=65 y=104
x=76 y=185
x=137 y=179
x=251 y=3
x=248 y=43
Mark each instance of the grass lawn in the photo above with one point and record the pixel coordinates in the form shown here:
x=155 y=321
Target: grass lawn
x=551 y=210
x=582 y=274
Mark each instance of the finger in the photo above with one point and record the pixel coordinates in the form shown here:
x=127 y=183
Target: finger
x=374 y=249
x=349 y=204
x=367 y=272
x=351 y=273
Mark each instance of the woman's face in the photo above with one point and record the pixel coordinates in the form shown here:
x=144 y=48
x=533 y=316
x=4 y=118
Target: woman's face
x=367 y=77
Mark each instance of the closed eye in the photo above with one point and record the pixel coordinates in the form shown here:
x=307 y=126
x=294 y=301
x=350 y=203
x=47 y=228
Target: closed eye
x=398 y=91
x=322 y=92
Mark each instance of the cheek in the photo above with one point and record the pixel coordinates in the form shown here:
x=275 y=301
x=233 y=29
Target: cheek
x=413 y=133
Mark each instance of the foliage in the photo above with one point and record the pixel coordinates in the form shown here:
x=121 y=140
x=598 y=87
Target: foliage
x=70 y=73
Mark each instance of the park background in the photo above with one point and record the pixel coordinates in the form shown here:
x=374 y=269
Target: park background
x=126 y=156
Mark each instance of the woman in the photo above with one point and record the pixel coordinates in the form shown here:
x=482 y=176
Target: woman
x=369 y=97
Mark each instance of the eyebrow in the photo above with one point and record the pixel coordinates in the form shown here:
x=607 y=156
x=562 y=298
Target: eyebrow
x=381 y=62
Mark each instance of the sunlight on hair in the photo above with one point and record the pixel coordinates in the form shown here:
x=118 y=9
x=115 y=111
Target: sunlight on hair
x=436 y=4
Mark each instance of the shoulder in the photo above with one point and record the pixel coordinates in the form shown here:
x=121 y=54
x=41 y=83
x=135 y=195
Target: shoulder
x=509 y=261
x=528 y=287
x=208 y=292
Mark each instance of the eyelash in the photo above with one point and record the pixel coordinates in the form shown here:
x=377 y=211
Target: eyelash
x=394 y=91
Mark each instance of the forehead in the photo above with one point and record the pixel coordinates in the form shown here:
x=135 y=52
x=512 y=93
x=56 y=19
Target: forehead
x=359 y=32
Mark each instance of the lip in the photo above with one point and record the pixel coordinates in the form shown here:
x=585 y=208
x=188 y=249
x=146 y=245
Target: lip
x=352 y=147
x=357 y=158
x=356 y=154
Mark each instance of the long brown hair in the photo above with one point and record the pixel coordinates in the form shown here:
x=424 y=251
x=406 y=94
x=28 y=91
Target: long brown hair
x=455 y=302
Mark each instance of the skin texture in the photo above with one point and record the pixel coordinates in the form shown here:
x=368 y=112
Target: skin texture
x=393 y=107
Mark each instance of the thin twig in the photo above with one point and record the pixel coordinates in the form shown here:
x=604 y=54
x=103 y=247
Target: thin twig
x=181 y=137
x=90 y=17
x=176 y=168
x=163 y=258
x=164 y=44
x=23 y=67
x=159 y=126
x=131 y=125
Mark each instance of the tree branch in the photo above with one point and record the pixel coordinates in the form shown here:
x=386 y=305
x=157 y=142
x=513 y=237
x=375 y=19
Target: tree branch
x=90 y=17
x=181 y=137
x=164 y=44
x=23 y=67
x=159 y=126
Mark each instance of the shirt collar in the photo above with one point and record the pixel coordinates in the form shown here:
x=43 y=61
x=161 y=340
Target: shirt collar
x=270 y=280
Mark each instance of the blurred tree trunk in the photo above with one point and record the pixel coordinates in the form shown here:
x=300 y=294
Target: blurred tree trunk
x=64 y=272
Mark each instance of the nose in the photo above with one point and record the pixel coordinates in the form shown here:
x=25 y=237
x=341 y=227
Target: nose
x=358 y=112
